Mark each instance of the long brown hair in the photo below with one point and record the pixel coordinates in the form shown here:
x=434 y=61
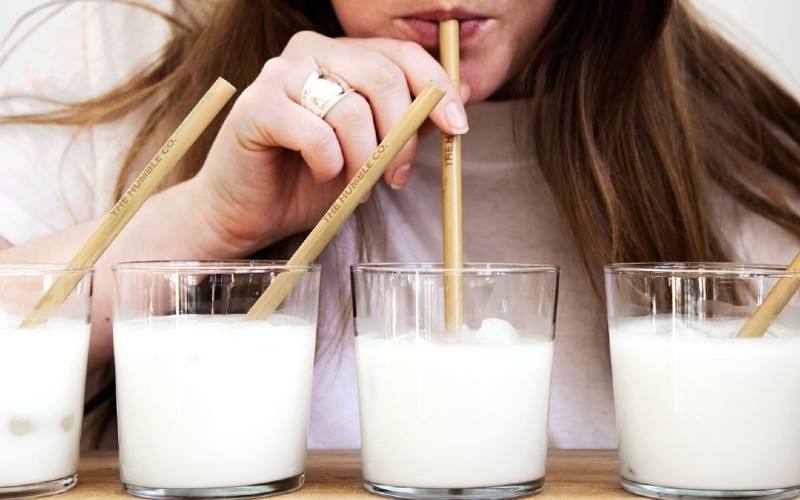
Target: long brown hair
x=636 y=107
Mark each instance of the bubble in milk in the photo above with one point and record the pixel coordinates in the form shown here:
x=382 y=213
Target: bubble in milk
x=67 y=421
x=496 y=331
x=19 y=426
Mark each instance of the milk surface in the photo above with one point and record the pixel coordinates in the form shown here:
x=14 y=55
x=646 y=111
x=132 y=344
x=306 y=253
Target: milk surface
x=212 y=401
x=42 y=379
x=459 y=413
x=701 y=409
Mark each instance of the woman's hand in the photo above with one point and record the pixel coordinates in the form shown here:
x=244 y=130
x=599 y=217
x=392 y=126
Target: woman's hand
x=275 y=166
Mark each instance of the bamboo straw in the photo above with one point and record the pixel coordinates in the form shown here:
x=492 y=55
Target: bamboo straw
x=348 y=200
x=451 y=188
x=164 y=160
x=773 y=304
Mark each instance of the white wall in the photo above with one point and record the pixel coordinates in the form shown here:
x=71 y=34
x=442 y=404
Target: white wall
x=768 y=30
x=80 y=46
x=12 y=10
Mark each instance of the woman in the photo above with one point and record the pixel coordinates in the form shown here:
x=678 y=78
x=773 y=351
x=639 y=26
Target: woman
x=599 y=131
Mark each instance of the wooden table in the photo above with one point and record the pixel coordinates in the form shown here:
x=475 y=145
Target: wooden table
x=336 y=474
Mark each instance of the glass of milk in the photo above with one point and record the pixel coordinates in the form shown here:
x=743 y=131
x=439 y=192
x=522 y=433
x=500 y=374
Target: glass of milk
x=701 y=411
x=211 y=404
x=42 y=378
x=456 y=412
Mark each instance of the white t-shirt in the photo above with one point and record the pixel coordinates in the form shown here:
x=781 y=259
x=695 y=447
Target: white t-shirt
x=508 y=216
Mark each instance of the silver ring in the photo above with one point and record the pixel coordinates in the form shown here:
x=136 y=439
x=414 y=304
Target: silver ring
x=322 y=91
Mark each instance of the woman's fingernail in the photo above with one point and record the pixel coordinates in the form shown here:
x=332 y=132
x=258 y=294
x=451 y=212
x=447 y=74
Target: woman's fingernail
x=366 y=197
x=400 y=177
x=456 y=118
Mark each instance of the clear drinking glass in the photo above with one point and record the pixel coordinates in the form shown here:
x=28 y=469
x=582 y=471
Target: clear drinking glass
x=459 y=413
x=701 y=411
x=42 y=379
x=211 y=404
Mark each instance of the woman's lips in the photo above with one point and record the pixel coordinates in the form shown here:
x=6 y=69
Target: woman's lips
x=425 y=30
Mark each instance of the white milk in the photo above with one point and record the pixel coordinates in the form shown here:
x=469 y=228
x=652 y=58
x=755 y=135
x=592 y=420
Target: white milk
x=464 y=414
x=704 y=410
x=209 y=402
x=42 y=378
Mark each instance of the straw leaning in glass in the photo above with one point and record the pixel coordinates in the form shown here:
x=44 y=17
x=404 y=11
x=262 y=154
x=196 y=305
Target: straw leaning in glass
x=773 y=304
x=164 y=160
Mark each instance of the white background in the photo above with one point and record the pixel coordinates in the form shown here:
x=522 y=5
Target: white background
x=769 y=30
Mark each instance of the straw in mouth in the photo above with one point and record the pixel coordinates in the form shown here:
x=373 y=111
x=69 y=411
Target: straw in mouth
x=451 y=187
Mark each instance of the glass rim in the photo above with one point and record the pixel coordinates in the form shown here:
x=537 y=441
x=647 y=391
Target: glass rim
x=438 y=268
x=212 y=265
x=41 y=269
x=685 y=269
